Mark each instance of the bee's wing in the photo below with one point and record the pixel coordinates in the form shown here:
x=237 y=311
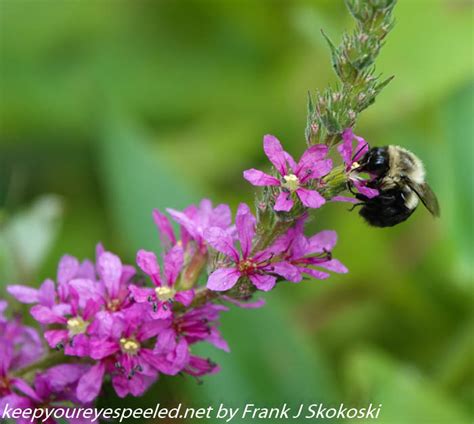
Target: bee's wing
x=427 y=196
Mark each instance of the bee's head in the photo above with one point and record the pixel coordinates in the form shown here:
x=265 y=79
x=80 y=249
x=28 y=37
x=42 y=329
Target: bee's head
x=376 y=161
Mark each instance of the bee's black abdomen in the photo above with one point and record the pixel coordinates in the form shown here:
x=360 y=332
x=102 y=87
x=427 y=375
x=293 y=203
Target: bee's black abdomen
x=385 y=210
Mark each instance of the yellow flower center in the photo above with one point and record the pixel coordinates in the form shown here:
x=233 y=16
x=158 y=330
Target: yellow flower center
x=165 y=293
x=129 y=346
x=291 y=183
x=247 y=266
x=76 y=326
x=355 y=165
x=113 y=305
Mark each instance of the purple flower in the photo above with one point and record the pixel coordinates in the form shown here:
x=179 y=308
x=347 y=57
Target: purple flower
x=165 y=291
x=306 y=253
x=258 y=266
x=200 y=324
x=20 y=346
x=85 y=292
x=197 y=325
x=193 y=220
x=109 y=285
x=295 y=178
x=51 y=389
x=122 y=351
x=68 y=269
x=350 y=156
x=73 y=321
x=198 y=366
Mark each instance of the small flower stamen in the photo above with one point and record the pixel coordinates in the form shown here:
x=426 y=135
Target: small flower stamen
x=292 y=183
x=76 y=325
x=130 y=346
x=165 y=293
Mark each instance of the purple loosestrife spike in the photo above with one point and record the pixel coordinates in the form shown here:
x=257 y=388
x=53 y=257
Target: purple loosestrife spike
x=259 y=268
x=295 y=177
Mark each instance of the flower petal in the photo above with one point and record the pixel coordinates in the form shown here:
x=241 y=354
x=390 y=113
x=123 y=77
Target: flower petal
x=363 y=189
x=291 y=162
x=315 y=273
x=184 y=297
x=335 y=266
x=221 y=216
x=67 y=269
x=165 y=229
x=310 y=198
x=317 y=170
x=217 y=340
x=152 y=328
x=324 y=241
x=47 y=293
x=223 y=279
x=345 y=148
x=25 y=388
x=310 y=157
x=149 y=265
x=259 y=178
x=287 y=271
x=245 y=223
x=63 y=375
x=221 y=241
x=263 y=282
x=141 y=294
x=86 y=270
x=173 y=262
x=284 y=202
x=90 y=383
x=46 y=315
x=100 y=348
x=275 y=153
x=23 y=294
x=109 y=268
x=87 y=289
x=55 y=337
x=362 y=147
x=186 y=222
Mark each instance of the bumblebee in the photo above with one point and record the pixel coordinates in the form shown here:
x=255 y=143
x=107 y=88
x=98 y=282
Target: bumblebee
x=399 y=176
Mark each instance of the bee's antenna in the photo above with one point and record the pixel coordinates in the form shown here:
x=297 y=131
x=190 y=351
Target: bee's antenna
x=360 y=150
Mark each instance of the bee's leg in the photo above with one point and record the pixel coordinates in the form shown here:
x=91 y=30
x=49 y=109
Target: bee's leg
x=355 y=205
x=349 y=188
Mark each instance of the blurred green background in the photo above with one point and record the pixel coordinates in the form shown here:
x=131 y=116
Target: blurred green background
x=111 y=108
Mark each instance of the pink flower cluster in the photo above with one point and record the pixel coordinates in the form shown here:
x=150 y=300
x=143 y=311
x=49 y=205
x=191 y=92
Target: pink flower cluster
x=117 y=326
x=110 y=321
